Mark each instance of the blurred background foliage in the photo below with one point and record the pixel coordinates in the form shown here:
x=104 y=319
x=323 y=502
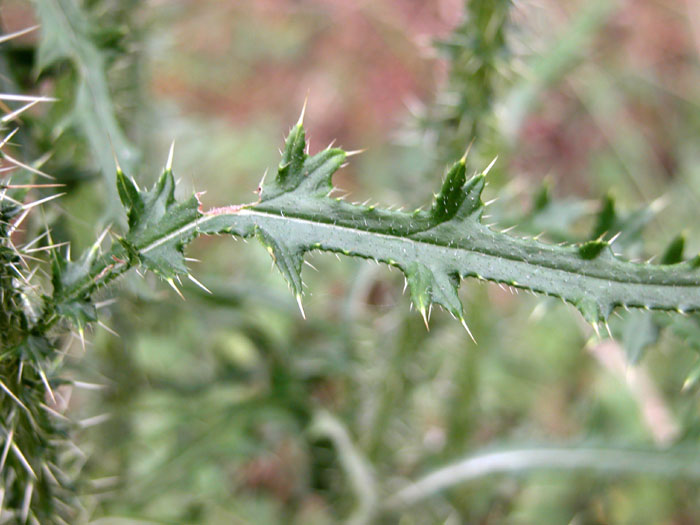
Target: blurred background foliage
x=229 y=408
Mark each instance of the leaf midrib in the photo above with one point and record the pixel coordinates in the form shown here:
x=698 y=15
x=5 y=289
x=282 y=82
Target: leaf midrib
x=317 y=222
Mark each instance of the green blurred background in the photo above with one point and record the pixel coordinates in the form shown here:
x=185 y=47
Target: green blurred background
x=230 y=408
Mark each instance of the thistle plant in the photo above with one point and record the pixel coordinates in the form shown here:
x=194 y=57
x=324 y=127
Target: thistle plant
x=294 y=215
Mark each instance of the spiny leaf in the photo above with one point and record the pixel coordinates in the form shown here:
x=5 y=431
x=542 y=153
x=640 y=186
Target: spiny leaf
x=159 y=228
x=471 y=205
x=287 y=258
x=155 y=221
x=318 y=170
x=129 y=195
x=78 y=310
x=66 y=275
x=297 y=170
x=451 y=196
x=289 y=172
x=434 y=249
x=433 y=286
